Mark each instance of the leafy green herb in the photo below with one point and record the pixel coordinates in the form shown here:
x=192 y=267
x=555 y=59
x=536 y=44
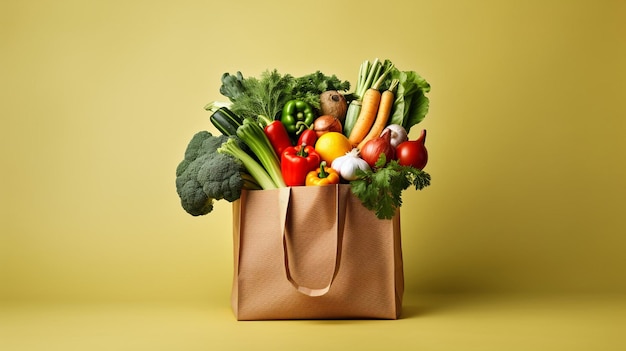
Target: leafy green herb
x=309 y=87
x=253 y=96
x=380 y=189
x=233 y=86
x=267 y=94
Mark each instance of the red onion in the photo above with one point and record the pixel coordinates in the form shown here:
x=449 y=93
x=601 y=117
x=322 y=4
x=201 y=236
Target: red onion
x=381 y=145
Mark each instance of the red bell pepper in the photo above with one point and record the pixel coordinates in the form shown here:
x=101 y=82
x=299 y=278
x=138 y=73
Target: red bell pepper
x=296 y=162
x=277 y=134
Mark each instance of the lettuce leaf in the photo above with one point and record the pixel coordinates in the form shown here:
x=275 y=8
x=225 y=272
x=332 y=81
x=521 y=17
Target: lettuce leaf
x=411 y=104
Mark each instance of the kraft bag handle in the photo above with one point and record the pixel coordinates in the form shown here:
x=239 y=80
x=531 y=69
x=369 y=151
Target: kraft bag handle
x=284 y=199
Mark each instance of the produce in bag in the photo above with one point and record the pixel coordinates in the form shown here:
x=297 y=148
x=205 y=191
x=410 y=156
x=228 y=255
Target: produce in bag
x=265 y=116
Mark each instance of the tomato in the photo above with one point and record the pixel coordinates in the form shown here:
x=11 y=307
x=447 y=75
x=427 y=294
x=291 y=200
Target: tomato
x=332 y=145
x=413 y=152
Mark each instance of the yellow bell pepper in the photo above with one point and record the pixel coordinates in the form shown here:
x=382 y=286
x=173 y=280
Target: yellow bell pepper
x=322 y=176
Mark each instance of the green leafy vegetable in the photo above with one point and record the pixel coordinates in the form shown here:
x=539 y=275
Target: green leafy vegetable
x=411 y=104
x=309 y=87
x=380 y=189
x=253 y=96
x=267 y=94
x=233 y=86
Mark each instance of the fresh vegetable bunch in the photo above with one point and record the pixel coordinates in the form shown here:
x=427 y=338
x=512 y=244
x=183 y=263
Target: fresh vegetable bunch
x=279 y=130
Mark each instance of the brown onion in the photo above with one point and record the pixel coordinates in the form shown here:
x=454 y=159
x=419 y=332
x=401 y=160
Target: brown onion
x=381 y=145
x=326 y=123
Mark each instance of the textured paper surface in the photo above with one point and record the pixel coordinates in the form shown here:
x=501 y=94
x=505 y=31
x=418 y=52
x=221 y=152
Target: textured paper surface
x=323 y=236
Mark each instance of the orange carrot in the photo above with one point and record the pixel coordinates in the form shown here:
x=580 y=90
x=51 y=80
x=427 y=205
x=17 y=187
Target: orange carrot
x=384 y=111
x=369 y=109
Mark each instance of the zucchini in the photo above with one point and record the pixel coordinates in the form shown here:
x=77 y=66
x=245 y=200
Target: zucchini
x=226 y=121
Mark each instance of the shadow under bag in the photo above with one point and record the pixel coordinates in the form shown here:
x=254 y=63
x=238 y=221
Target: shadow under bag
x=314 y=252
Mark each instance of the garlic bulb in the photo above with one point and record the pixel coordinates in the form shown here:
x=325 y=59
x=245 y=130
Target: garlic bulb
x=398 y=134
x=348 y=164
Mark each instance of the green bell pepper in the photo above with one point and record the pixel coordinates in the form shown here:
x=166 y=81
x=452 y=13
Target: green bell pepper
x=297 y=116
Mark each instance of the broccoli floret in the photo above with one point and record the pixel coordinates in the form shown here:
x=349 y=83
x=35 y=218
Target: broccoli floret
x=205 y=175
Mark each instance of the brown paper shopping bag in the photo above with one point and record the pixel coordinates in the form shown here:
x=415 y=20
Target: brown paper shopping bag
x=314 y=253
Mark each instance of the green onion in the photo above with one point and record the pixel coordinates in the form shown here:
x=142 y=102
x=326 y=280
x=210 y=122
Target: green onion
x=251 y=133
x=257 y=171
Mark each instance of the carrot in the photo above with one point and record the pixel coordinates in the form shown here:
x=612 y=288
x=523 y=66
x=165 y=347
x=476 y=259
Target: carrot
x=384 y=111
x=369 y=108
x=368 y=75
x=367 y=115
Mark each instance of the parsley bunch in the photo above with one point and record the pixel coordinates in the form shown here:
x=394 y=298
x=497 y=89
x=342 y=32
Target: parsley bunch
x=380 y=189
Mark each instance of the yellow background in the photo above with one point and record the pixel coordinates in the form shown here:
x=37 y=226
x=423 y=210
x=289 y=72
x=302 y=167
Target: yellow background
x=527 y=155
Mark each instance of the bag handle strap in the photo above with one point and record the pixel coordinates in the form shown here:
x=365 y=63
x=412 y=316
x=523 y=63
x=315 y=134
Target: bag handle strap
x=284 y=198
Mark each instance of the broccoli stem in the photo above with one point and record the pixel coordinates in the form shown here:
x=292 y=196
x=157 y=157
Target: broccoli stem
x=254 y=168
x=251 y=133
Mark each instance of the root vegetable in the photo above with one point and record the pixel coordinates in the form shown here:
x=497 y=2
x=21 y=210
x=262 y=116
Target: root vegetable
x=383 y=113
x=348 y=164
x=333 y=103
x=325 y=124
x=413 y=152
x=398 y=134
x=372 y=150
x=370 y=101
